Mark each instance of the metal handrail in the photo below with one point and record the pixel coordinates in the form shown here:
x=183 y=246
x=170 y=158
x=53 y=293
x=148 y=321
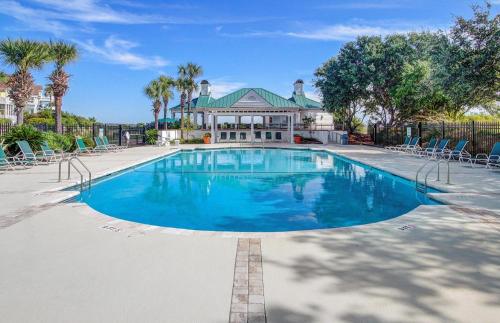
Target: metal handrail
x=419 y=170
x=71 y=163
x=447 y=161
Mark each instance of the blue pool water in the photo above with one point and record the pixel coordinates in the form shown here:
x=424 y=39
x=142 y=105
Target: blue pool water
x=262 y=190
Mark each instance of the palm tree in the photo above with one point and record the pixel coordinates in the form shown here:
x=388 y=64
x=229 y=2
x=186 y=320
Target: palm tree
x=4 y=77
x=62 y=54
x=23 y=55
x=166 y=84
x=182 y=84
x=47 y=91
x=153 y=92
x=193 y=71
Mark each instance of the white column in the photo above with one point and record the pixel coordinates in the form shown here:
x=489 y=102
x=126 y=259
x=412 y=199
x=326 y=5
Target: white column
x=291 y=128
x=212 y=129
x=251 y=129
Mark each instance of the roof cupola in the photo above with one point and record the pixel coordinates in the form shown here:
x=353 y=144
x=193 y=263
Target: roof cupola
x=298 y=87
x=205 y=87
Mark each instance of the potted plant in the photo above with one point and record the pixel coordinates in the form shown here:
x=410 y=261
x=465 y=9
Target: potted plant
x=297 y=139
x=207 y=138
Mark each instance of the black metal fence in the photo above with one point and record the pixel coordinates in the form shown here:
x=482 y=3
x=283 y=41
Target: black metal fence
x=481 y=135
x=114 y=132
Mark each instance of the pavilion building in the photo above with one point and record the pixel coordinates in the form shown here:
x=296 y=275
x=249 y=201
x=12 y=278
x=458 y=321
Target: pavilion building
x=255 y=114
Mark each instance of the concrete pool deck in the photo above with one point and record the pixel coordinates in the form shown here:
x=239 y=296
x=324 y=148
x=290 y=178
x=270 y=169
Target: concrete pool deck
x=65 y=262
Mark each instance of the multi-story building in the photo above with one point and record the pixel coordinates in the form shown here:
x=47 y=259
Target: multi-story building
x=37 y=101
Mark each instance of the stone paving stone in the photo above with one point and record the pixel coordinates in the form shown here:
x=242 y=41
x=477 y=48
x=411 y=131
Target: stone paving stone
x=240 y=299
x=247 y=301
x=240 y=291
x=252 y=290
x=256 y=308
x=239 y=308
x=256 y=299
x=256 y=318
x=238 y=318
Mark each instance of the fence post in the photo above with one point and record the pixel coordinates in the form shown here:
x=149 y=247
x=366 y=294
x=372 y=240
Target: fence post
x=120 y=135
x=474 y=148
x=93 y=130
x=375 y=134
x=105 y=129
x=442 y=129
x=144 y=134
x=419 y=127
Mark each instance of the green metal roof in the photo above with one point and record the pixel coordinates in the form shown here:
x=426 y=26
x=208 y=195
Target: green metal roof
x=305 y=102
x=199 y=102
x=277 y=101
x=169 y=120
x=271 y=98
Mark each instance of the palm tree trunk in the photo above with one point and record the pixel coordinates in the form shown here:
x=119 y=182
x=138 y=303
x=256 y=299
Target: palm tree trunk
x=58 y=104
x=165 y=105
x=20 y=115
x=156 y=119
x=182 y=116
x=190 y=97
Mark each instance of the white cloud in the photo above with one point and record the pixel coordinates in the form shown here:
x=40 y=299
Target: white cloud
x=344 y=32
x=93 y=11
x=387 y=4
x=312 y=95
x=118 y=51
x=220 y=87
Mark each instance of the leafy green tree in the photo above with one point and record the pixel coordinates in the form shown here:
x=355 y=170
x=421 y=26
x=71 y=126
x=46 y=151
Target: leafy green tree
x=153 y=92
x=344 y=82
x=61 y=53
x=166 y=85
x=24 y=55
x=470 y=62
x=4 y=77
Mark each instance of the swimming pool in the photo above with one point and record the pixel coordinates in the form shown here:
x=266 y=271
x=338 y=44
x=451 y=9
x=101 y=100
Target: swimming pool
x=254 y=190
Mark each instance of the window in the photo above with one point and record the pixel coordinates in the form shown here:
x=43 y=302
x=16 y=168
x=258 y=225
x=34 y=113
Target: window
x=232 y=135
x=269 y=135
x=258 y=135
x=243 y=136
x=278 y=135
x=223 y=135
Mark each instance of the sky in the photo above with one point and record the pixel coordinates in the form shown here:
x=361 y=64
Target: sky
x=124 y=44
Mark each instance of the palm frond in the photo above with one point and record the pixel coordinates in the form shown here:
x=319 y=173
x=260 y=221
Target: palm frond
x=24 y=54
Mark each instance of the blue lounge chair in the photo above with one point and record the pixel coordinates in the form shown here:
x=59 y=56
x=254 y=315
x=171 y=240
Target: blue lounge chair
x=457 y=152
x=100 y=146
x=405 y=143
x=493 y=159
x=27 y=156
x=7 y=162
x=413 y=145
x=83 y=149
x=112 y=146
x=439 y=149
x=50 y=154
x=431 y=145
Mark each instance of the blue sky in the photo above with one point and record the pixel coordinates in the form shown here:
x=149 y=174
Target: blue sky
x=126 y=43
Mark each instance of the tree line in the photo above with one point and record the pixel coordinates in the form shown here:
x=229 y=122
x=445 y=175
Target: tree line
x=161 y=90
x=27 y=55
x=416 y=76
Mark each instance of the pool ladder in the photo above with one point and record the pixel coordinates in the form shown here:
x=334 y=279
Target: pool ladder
x=71 y=164
x=422 y=187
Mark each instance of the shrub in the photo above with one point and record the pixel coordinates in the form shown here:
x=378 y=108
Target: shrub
x=59 y=142
x=22 y=132
x=44 y=121
x=192 y=141
x=5 y=121
x=151 y=136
